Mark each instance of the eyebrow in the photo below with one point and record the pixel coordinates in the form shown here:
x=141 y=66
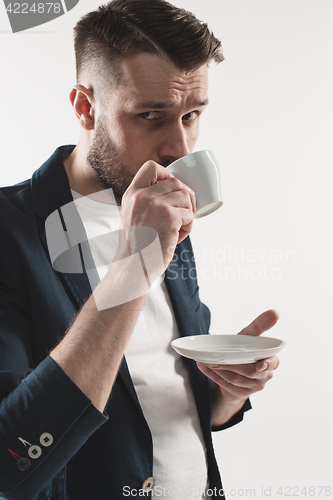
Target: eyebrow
x=166 y=105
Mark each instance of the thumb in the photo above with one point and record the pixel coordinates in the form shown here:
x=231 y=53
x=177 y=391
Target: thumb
x=262 y=323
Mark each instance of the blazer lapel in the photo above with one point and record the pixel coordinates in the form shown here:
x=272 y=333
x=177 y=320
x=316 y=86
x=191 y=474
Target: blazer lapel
x=51 y=191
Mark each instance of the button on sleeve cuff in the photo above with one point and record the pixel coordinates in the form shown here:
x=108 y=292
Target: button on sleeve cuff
x=46 y=401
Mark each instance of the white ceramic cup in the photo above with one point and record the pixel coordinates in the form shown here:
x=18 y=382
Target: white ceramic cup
x=200 y=172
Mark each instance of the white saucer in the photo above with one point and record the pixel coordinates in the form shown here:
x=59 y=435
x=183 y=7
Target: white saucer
x=227 y=349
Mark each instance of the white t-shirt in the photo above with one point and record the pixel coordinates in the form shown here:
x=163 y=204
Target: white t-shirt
x=159 y=375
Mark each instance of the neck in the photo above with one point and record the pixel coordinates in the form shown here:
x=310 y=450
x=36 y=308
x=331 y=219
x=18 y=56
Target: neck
x=80 y=177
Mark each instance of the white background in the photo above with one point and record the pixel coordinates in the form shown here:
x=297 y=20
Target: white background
x=270 y=125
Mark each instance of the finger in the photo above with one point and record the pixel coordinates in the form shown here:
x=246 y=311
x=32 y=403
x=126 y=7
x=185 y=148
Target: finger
x=235 y=384
x=173 y=185
x=240 y=380
x=240 y=392
x=249 y=370
x=184 y=232
x=267 y=364
x=178 y=199
x=150 y=173
x=186 y=217
x=252 y=384
x=262 y=323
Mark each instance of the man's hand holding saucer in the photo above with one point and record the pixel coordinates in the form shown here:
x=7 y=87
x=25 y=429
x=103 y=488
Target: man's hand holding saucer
x=233 y=384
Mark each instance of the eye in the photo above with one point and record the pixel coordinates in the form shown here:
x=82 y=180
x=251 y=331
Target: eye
x=150 y=115
x=191 y=116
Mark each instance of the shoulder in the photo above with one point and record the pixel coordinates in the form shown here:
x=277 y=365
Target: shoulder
x=16 y=197
x=15 y=207
x=47 y=184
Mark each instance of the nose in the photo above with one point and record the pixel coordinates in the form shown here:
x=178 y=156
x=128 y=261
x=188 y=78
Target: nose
x=175 y=143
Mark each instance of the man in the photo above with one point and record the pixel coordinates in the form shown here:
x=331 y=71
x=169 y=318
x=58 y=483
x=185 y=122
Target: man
x=78 y=420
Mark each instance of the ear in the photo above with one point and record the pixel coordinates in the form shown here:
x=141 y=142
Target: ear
x=82 y=100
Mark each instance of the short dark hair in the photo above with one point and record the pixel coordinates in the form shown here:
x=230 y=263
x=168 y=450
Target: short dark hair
x=156 y=27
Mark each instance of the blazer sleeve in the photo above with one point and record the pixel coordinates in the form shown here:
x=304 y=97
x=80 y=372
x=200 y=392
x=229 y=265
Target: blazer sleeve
x=44 y=417
x=235 y=419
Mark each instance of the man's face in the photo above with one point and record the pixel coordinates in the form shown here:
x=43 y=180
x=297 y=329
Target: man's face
x=153 y=115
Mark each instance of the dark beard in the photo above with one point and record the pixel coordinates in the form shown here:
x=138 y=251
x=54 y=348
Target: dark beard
x=107 y=163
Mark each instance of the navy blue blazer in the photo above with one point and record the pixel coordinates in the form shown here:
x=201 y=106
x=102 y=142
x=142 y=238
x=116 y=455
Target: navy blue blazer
x=54 y=444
